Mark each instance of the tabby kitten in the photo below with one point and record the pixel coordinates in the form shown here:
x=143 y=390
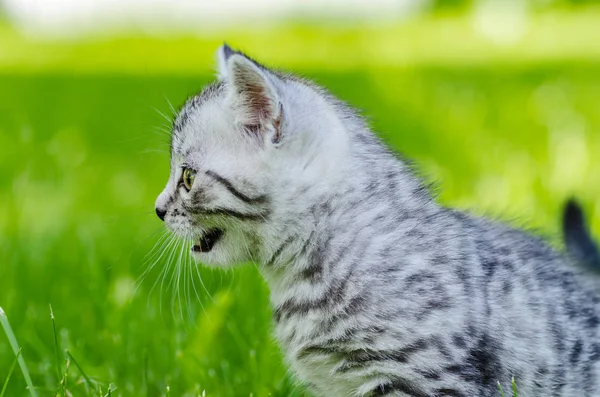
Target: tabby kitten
x=376 y=289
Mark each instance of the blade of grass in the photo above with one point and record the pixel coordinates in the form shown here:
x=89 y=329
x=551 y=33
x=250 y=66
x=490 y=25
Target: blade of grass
x=500 y=388
x=57 y=354
x=12 y=339
x=88 y=381
x=10 y=371
x=110 y=390
x=514 y=387
x=63 y=382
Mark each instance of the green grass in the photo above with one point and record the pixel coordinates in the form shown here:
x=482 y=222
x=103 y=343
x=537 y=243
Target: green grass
x=12 y=339
x=513 y=386
x=10 y=372
x=512 y=133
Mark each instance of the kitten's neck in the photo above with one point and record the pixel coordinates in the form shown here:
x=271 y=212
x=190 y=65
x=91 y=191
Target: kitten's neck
x=377 y=196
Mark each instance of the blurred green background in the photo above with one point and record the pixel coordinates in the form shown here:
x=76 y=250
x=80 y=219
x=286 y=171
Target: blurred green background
x=501 y=110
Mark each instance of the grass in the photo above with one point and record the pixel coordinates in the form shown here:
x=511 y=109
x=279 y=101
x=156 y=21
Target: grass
x=12 y=339
x=513 y=386
x=10 y=372
x=512 y=133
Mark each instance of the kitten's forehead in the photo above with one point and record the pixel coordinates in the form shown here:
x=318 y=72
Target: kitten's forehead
x=187 y=113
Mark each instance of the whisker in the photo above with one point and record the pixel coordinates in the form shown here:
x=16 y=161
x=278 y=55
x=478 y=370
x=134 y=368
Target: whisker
x=171 y=286
x=167 y=246
x=138 y=242
x=191 y=264
x=165 y=235
x=152 y=151
x=162 y=129
x=163 y=115
x=196 y=267
x=166 y=269
x=155 y=254
x=153 y=257
x=177 y=286
x=173 y=110
x=250 y=254
x=190 y=280
x=186 y=289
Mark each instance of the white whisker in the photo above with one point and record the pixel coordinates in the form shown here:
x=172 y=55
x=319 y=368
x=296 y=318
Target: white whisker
x=173 y=110
x=165 y=247
x=151 y=257
x=169 y=119
x=177 y=286
x=166 y=269
x=190 y=280
x=192 y=264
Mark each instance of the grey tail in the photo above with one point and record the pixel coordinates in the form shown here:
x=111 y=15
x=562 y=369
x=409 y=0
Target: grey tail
x=578 y=241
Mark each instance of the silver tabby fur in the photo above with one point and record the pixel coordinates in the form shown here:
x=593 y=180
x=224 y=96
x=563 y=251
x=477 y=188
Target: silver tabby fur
x=376 y=289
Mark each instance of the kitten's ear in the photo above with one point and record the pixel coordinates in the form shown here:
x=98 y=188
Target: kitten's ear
x=223 y=54
x=252 y=93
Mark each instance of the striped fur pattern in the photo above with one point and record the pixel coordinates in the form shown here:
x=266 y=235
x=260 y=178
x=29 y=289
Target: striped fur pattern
x=376 y=290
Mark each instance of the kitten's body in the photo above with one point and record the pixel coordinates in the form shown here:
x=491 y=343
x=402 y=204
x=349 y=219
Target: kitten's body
x=395 y=289
x=376 y=289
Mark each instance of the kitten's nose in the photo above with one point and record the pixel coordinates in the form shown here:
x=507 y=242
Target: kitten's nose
x=161 y=213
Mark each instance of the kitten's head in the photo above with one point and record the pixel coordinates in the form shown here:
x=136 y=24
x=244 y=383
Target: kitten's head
x=241 y=150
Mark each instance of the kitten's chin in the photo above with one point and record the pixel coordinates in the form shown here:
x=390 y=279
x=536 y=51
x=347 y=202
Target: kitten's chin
x=208 y=240
x=218 y=248
x=206 y=250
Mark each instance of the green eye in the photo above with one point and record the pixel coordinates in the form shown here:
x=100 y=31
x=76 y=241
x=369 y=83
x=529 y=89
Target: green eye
x=188 y=178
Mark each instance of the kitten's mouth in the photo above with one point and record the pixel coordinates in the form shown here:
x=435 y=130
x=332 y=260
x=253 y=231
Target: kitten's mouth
x=208 y=240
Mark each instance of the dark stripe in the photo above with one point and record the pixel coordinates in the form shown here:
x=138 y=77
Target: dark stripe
x=229 y=186
x=428 y=374
x=323 y=350
x=441 y=347
x=575 y=355
x=312 y=273
x=446 y=392
x=311 y=270
x=307 y=243
x=361 y=358
x=316 y=260
x=261 y=216
x=482 y=364
x=351 y=308
x=279 y=251
x=334 y=294
x=350 y=334
x=588 y=369
x=395 y=385
x=365 y=334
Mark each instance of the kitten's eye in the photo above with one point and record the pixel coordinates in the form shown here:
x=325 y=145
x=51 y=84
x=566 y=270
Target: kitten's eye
x=188 y=178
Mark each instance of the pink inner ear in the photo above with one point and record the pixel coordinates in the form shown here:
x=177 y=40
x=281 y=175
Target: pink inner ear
x=255 y=96
x=259 y=102
x=253 y=129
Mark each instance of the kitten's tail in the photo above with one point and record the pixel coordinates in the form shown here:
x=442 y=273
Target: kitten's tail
x=580 y=245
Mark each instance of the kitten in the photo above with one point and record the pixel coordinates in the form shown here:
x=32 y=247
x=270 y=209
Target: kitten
x=376 y=289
